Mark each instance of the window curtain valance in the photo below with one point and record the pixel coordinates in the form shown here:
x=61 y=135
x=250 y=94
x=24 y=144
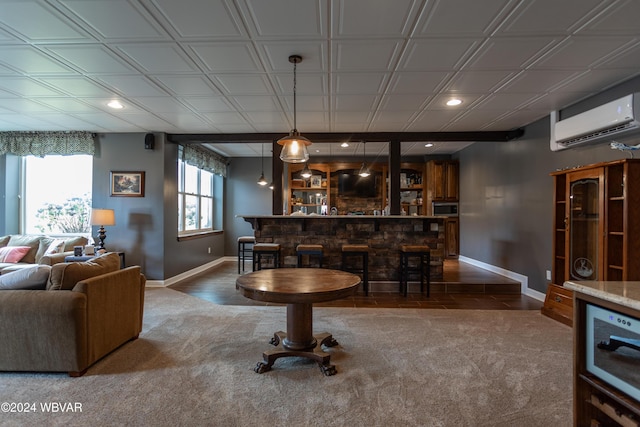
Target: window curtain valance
x=46 y=143
x=205 y=159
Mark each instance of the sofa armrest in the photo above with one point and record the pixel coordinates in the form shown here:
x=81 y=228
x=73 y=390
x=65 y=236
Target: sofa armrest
x=43 y=331
x=115 y=303
x=55 y=258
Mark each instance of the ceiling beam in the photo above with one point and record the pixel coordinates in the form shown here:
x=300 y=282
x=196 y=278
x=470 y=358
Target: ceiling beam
x=495 y=136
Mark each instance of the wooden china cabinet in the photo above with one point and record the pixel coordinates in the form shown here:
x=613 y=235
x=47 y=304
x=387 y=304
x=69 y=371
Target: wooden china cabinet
x=595 y=229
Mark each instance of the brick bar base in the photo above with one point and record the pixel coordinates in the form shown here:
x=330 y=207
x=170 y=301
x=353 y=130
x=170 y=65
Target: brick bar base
x=383 y=234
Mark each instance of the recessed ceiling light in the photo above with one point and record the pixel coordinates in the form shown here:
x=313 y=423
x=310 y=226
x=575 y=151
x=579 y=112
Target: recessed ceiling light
x=453 y=102
x=115 y=104
x=344 y=145
x=429 y=144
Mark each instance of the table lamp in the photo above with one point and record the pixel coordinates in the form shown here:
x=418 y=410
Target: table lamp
x=102 y=217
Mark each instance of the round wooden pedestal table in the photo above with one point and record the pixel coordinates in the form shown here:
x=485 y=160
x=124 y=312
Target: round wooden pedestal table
x=299 y=288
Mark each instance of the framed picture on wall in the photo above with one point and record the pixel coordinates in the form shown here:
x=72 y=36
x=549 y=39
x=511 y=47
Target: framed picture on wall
x=127 y=184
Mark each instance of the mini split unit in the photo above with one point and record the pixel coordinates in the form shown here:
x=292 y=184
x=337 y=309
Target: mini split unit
x=613 y=121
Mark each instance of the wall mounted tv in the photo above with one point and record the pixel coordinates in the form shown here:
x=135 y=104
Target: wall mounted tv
x=350 y=184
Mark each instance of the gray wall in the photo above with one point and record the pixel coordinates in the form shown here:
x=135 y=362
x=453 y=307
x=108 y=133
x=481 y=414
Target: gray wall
x=243 y=196
x=146 y=227
x=506 y=194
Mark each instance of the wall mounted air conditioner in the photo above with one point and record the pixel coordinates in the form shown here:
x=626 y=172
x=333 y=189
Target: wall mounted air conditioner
x=610 y=122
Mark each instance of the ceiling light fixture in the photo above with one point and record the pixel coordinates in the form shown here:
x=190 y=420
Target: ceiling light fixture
x=428 y=145
x=364 y=170
x=344 y=145
x=115 y=104
x=453 y=102
x=262 y=181
x=294 y=146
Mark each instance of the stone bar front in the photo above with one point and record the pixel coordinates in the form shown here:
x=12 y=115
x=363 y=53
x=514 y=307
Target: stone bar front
x=383 y=234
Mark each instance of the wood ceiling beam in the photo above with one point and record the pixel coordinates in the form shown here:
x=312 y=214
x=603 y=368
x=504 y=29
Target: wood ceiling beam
x=495 y=136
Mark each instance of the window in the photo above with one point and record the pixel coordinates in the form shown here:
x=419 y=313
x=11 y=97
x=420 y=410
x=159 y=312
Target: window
x=195 y=199
x=56 y=206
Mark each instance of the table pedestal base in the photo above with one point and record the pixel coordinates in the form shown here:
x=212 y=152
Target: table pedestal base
x=313 y=352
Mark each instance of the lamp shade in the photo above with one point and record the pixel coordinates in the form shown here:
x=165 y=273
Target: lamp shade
x=103 y=217
x=294 y=148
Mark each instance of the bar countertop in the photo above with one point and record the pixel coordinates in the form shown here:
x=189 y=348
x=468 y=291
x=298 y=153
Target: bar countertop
x=625 y=293
x=314 y=216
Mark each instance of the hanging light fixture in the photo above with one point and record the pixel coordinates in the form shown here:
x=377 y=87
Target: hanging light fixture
x=262 y=181
x=364 y=170
x=306 y=172
x=294 y=146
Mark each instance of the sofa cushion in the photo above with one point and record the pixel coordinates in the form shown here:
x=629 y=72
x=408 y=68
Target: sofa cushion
x=34 y=277
x=4 y=240
x=70 y=242
x=26 y=240
x=56 y=247
x=64 y=276
x=13 y=254
x=44 y=244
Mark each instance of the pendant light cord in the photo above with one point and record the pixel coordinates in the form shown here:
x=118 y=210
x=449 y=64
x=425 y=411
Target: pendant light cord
x=295 y=66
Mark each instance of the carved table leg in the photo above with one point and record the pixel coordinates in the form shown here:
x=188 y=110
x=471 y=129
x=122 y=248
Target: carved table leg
x=299 y=341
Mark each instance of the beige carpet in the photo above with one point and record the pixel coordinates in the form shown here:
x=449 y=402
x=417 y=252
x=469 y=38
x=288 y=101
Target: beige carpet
x=193 y=366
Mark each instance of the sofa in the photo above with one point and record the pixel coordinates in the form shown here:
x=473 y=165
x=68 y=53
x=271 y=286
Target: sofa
x=23 y=250
x=83 y=311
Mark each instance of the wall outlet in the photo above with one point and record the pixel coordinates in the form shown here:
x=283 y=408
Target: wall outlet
x=548 y=275
x=209 y=251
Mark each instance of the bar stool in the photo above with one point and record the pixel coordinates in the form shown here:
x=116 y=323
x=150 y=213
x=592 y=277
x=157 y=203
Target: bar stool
x=423 y=266
x=265 y=249
x=310 y=250
x=245 y=247
x=360 y=251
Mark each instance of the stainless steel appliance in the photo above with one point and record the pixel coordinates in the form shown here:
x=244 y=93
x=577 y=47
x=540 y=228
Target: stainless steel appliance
x=445 y=208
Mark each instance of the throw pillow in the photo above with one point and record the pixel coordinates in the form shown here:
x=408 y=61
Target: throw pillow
x=44 y=244
x=65 y=275
x=49 y=246
x=13 y=254
x=4 y=241
x=26 y=240
x=56 y=247
x=26 y=278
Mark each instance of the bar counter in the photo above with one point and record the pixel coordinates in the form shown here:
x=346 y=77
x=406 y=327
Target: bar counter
x=384 y=234
x=624 y=293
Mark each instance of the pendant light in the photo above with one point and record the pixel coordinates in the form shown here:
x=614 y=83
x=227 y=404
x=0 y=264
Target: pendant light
x=306 y=172
x=364 y=170
x=294 y=146
x=262 y=181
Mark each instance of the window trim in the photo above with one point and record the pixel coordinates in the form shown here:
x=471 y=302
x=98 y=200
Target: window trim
x=184 y=234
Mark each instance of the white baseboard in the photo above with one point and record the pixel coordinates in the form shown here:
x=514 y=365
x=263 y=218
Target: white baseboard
x=185 y=275
x=524 y=280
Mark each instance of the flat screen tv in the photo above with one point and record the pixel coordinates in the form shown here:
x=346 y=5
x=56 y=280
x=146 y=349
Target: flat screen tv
x=350 y=184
